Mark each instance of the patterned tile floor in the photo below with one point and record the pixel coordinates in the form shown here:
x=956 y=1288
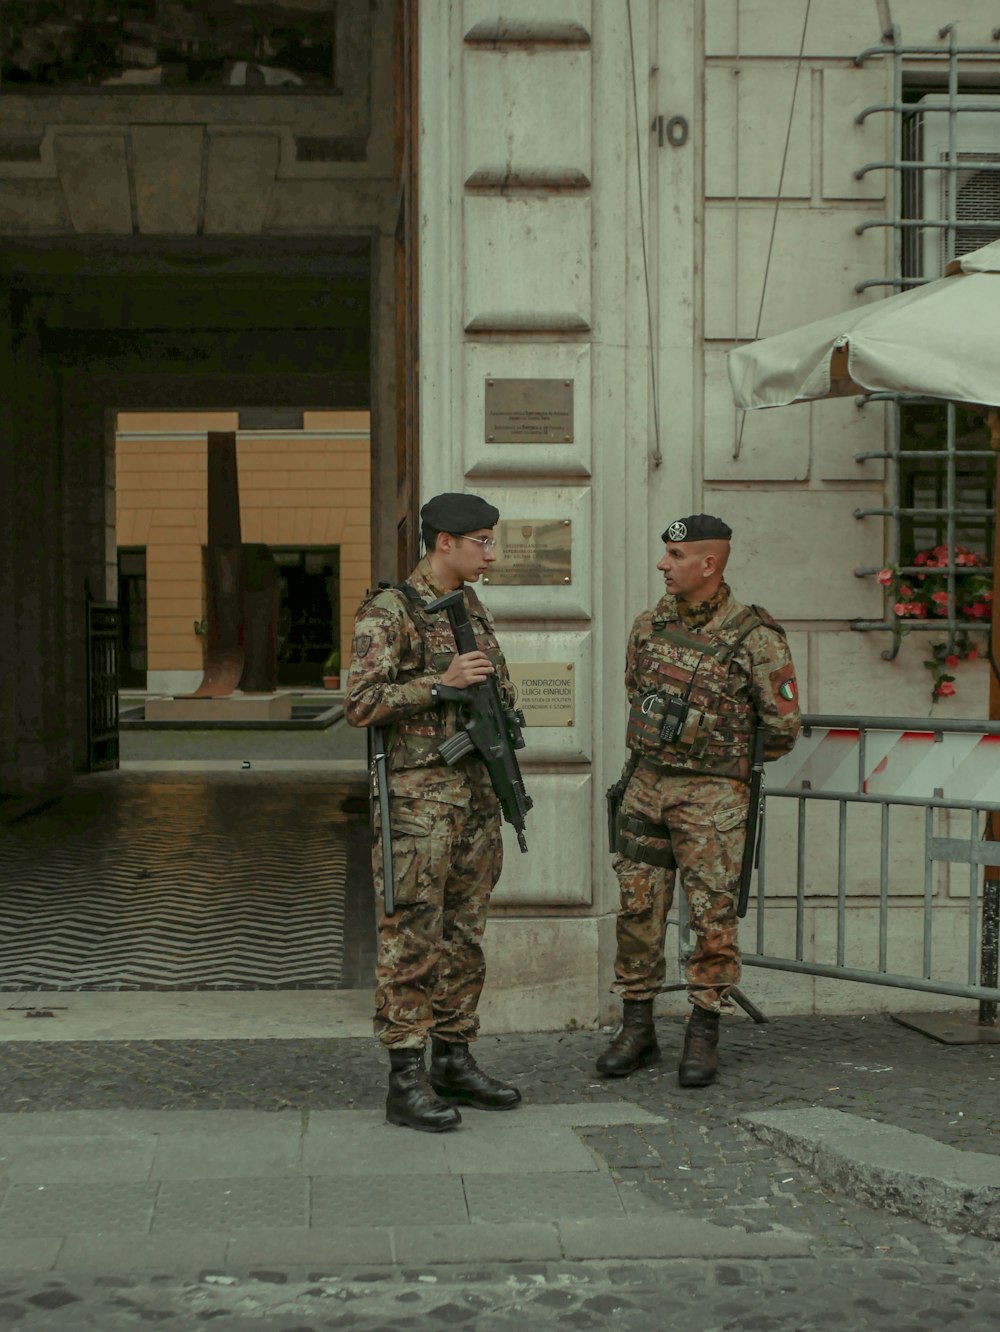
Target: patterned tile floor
x=188 y=881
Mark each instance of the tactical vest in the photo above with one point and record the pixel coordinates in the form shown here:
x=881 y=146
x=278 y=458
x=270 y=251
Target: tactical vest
x=690 y=688
x=415 y=740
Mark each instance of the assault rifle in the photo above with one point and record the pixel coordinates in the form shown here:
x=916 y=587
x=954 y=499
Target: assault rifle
x=486 y=726
x=755 y=823
x=379 y=793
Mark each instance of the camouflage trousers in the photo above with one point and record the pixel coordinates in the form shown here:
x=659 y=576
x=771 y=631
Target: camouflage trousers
x=430 y=968
x=707 y=821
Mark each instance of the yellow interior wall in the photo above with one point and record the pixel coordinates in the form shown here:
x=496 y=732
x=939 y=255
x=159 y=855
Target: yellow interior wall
x=293 y=492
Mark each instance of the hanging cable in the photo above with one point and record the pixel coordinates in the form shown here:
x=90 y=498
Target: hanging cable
x=657 y=453
x=737 y=71
x=777 y=201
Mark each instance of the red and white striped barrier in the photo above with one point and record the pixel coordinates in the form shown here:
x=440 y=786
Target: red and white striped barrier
x=962 y=767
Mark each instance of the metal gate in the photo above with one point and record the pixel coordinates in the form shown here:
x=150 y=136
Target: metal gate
x=103 y=645
x=886 y=819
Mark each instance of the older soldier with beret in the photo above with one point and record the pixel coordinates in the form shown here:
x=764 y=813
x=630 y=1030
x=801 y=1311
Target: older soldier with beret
x=445 y=820
x=703 y=674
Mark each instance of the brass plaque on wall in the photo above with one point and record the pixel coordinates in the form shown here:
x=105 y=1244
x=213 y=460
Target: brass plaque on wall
x=544 y=691
x=529 y=411
x=532 y=554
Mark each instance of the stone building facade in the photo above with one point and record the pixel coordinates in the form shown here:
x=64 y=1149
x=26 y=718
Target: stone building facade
x=615 y=195
x=597 y=187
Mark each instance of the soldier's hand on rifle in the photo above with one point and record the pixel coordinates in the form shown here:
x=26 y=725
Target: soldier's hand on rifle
x=469 y=668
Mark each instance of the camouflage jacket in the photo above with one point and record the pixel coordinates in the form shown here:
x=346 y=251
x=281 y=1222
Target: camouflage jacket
x=735 y=674
x=399 y=653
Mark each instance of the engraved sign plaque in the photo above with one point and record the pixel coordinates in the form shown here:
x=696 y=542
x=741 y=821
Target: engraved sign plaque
x=529 y=411
x=544 y=691
x=531 y=553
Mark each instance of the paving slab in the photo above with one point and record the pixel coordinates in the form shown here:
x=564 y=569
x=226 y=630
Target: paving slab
x=259 y=1151
x=140 y=1015
x=360 y=1142
x=675 y=1237
x=164 y=1252
x=77 y=1208
x=50 y=1158
x=382 y=1200
x=491 y=1148
x=316 y=1246
x=25 y=1253
x=541 y=1196
x=221 y=1123
x=905 y=1172
x=514 y=1242
x=227 y=1205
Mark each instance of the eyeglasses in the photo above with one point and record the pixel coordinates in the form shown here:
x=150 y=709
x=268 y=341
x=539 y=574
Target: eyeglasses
x=488 y=543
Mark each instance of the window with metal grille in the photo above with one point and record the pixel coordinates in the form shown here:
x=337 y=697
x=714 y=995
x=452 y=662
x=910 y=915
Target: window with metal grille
x=944 y=199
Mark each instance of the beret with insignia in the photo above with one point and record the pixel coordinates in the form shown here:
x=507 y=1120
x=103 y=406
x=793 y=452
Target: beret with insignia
x=697 y=527
x=458 y=513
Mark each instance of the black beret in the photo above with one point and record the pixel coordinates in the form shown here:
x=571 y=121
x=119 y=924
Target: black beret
x=698 y=527
x=458 y=513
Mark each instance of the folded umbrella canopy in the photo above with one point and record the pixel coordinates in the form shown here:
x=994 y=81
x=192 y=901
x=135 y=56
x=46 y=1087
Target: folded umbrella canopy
x=940 y=340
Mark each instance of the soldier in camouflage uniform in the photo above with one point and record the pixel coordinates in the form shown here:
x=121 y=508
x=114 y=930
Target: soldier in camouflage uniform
x=445 y=820
x=703 y=674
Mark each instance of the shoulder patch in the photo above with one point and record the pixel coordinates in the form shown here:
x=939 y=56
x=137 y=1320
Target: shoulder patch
x=786 y=693
x=361 y=644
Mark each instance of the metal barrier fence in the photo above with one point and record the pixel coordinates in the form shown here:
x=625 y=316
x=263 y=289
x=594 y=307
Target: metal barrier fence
x=949 y=770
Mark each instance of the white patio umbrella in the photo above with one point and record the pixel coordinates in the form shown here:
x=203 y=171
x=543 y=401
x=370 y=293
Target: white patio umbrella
x=941 y=340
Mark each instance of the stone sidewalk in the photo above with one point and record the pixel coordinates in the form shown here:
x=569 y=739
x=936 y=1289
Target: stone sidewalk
x=255 y=1182
x=120 y=1191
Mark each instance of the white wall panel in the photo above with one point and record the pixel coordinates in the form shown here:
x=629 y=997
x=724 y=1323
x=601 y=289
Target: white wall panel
x=527 y=263
x=93 y=171
x=561 y=647
x=774 y=444
x=541 y=975
x=555 y=601
x=743 y=105
x=794 y=552
x=526 y=360
x=818 y=258
x=761 y=28
x=841 y=429
x=528 y=117
x=854 y=678
x=848 y=146
x=556 y=869
x=524 y=20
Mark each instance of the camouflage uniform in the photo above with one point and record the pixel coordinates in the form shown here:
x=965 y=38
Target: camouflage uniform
x=445 y=821
x=733 y=663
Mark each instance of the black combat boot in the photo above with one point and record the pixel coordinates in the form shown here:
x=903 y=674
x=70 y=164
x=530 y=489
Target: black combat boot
x=700 y=1060
x=635 y=1045
x=456 y=1076
x=411 y=1103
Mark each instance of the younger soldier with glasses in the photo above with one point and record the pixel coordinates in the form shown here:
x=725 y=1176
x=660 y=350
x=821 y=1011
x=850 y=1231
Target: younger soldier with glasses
x=444 y=820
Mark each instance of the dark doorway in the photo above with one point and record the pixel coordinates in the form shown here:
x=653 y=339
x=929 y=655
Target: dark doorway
x=132 y=606
x=308 y=614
